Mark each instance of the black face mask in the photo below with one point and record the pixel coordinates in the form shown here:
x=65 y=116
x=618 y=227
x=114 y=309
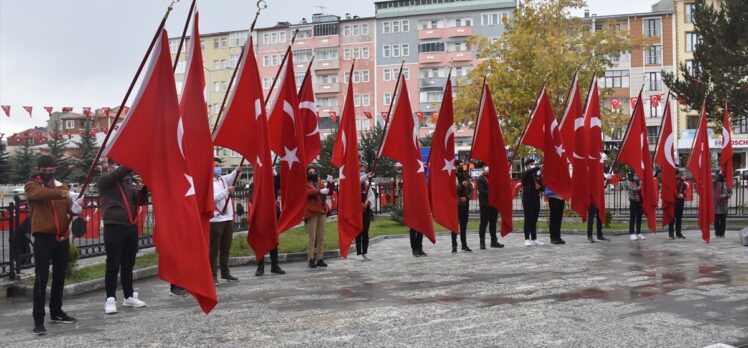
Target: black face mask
x=47 y=177
x=312 y=177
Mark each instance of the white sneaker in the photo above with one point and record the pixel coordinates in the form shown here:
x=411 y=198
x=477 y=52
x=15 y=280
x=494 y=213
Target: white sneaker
x=366 y=257
x=110 y=307
x=133 y=301
x=361 y=257
x=528 y=243
x=537 y=242
x=633 y=237
x=641 y=237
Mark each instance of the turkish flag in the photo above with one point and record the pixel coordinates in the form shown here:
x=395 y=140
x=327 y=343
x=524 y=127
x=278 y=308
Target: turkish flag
x=664 y=158
x=6 y=109
x=310 y=120
x=542 y=133
x=151 y=142
x=655 y=100
x=345 y=157
x=87 y=111
x=594 y=133
x=244 y=130
x=700 y=165
x=49 y=110
x=488 y=146
x=634 y=151
x=92 y=216
x=367 y=114
x=384 y=116
x=67 y=109
x=28 y=109
x=401 y=144
x=197 y=141
x=442 y=176
x=725 y=160
x=287 y=141
x=575 y=142
x=633 y=101
x=333 y=116
x=420 y=116
x=107 y=111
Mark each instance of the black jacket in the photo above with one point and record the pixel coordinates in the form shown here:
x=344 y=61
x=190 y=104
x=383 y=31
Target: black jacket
x=114 y=207
x=483 y=190
x=529 y=192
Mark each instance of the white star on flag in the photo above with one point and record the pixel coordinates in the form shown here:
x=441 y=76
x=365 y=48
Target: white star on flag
x=340 y=172
x=420 y=166
x=449 y=166
x=290 y=156
x=191 y=190
x=259 y=163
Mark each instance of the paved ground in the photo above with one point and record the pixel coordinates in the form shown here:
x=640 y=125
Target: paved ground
x=653 y=293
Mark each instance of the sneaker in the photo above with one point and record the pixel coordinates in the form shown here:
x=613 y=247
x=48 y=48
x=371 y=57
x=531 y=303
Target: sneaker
x=680 y=236
x=177 y=291
x=276 y=269
x=62 y=317
x=482 y=246
x=230 y=278
x=260 y=270
x=366 y=257
x=496 y=245
x=312 y=264
x=215 y=281
x=633 y=237
x=421 y=253
x=538 y=243
x=40 y=330
x=590 y=239
x=110 y=307
x=360 y=257
x=466 y=249
x=321 y=263
x=417 y=254
x=133 y=301
x=528 y=243
x=671 y=237
x=602 y=238
x=641 y=237
x=454 y=249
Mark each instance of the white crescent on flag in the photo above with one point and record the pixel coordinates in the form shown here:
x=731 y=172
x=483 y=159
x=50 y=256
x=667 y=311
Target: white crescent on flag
x=669 y=149
x=725 y=137
x=450 y=132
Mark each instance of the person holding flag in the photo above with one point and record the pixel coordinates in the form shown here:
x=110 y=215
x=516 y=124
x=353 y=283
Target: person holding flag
x=722 y=195
x=635 y=208
x=222 y=223
x=532 y=186
x=464 y=194
x=368 y=200
x=674 y=227
x=315 y=217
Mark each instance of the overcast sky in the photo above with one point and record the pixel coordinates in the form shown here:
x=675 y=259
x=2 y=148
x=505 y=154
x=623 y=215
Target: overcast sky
x=84 y=52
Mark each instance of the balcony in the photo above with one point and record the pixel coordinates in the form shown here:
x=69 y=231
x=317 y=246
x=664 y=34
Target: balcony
x=460 y=56
x=432 y=82
x=425 y=34
x=458 y=31
x=327 y=64
x=327 y=88
x=432 y=57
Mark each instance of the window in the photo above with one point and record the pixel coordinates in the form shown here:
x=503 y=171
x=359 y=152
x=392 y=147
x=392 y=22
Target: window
x=651 y=110
x=180 y=85
x=224 y=64
x=653 y=55
x=692 y=68
x=275 y=37
x=224 y=42
x=387 y=27
x=233 y=60
x=615 y=79
x=358 y=76
x=429 y=24
x=406 y=73
x=224 y=86
x=216 y=43
x=462 y=71
x=364 y=29
x=689 y=12
x=216 y=86
x=461 y=22
x=322 y=53
x=652 y=27
x=356 y=30
x=275 y=59
x=396 y=50
x=493 y=18
x=347 y=54
x=181 y=66
x=69 y=124
x=202 y=44
x=347 y=30
x=303 y=34
x=654 y=82
x=741 y=126
x=266 y=82
x=303 y=55
x=431 y=96
x=387 y=74
x=428 y=73
x=326 y=29
x=386 y=51
x=174 y=45
x=329 y=78
x=238 y=39
x=327 y=101
x=692 y=122
x=692 y=40
x=387 y=99
x=431 y=47
x=652 y=132
x=265 y=61
x=401 y=26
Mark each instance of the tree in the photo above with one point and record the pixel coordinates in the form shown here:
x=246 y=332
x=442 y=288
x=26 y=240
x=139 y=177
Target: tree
x=542 y=43
x=368 y=147
x=23 y=163
x=86 y=155
x=426 y=141
x=56 y=144
x=720 y=65
x=5 y=167
x=325 y=156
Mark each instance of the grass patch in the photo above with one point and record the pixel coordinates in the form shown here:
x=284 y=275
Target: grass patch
x=96 y=271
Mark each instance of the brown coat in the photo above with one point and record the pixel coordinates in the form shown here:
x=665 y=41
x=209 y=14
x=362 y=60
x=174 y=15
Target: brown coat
x=315 y=201
x=41 y=199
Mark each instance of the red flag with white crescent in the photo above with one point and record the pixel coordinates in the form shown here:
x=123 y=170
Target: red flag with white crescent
x=725 y=160
x=664 y=157
x=310 y=120
x=575 y=142
x=443 y=174
x=700 y=165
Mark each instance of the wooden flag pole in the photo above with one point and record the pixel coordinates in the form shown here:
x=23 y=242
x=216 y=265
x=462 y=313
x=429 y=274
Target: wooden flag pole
x=477 y=116
x=184 y=33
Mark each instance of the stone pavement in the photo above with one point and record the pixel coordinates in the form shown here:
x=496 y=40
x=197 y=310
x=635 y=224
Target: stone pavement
x=652 y=293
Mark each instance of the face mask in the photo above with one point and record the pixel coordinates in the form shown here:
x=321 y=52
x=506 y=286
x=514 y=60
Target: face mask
x=47 y=177
x=361 y=173
x=312 y=177
x=217 y=171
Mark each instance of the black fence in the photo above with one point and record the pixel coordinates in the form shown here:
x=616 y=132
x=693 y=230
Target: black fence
x=16 y=244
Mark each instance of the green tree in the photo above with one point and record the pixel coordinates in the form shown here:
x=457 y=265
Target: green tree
x=325 y=155
x=84 y=158
x=368 y=147
x=5 y=168
x=23 y=163
x=720 y=65
x=542 y=43
x=56 y=145
x=427 y=140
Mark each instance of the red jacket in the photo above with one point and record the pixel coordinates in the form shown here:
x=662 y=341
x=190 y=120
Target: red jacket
x=315 y=201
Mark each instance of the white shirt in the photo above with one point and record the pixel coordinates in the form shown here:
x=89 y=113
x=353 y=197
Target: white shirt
x=220 y=193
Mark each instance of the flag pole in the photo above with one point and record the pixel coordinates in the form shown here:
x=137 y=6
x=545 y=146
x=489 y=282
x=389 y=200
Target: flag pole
x=308 y=71
x=127 y=95
x=184 y=33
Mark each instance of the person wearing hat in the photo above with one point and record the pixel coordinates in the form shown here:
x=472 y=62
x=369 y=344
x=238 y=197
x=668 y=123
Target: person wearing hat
x=222 y=223
x=674 y=227
x=532 y=186
x=722 y=195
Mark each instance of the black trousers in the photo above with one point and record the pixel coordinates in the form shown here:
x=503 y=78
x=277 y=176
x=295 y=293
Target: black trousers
x=532 y=211
x=221 y=234
x=121 y=243
x=720 y=225
x=273 y=258
x=488 y=217
x=593 y=217
x=362 y=239
x=416 y=240
x=635 y=217
x=556 y=216
x=675 y=226
x=48 y=250
x=462 y=216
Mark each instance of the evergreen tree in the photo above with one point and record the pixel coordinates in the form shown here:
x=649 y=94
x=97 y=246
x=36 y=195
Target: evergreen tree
x=5 y=168
x=720 y=66
x=23 y=163
x=368 y=146
x=324 y=165
x=86 y=155
x=56 y=146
